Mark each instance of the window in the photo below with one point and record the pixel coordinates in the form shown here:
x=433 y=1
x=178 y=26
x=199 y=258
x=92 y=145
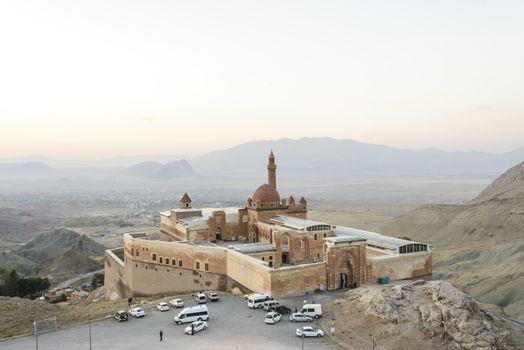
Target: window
x=132 y=251
x=206 y=266
x=167 y=261
x=154 y=257
x=315 y=236
x=137 y=252
x=180 y=263
x=271 y=258
x=263 y=259
x=160 y=260
x=197 y=265
x=173 y=262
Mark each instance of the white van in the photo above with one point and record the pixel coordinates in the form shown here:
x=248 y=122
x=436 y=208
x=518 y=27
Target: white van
x=256 y=301
x=200 y=298
x=191 y=314
x=312 y=310
x=270 y=305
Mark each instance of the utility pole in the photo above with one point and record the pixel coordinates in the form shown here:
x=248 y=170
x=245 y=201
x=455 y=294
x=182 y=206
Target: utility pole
x=90 y=348
x=373 y=342
x=302 y=336
x=35 y=328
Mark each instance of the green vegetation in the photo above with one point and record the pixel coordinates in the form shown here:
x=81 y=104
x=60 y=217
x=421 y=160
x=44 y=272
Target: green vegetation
x=97 y=281
x=13 y=285
x=405 y=238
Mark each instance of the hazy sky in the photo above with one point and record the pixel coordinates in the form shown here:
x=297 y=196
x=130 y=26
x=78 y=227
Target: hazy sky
x=90 y=79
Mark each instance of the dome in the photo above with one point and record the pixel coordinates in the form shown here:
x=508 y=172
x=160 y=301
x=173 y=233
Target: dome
x=266 y=194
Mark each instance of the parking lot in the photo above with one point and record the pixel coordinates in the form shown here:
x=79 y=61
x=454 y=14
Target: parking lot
x=231 y=325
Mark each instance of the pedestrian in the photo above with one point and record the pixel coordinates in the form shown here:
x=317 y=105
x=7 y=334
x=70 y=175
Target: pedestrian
x=161 y=335
x=192 y=329
x=332 y=328
x=296 y=310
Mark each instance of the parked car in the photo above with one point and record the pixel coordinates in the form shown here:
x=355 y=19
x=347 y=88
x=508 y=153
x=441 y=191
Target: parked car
x=162 y=306
x=270 y=305
x=195 y=327
x=298 y=317
x=309 y=332
x=256 y=301
x=191 y=314
x=312 y=310
x=137 y=312
x=272 y=317
x=200 y=298
x=176 y=303
x=121 y=316
x=213 y=296
x=283 y=310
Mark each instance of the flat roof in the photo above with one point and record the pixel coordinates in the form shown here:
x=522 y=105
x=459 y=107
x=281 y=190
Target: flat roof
x=374 y=238
x=344 y=239
x=252 y=247
x=296 y=223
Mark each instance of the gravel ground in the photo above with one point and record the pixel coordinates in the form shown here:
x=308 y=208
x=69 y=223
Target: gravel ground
x=232 y=325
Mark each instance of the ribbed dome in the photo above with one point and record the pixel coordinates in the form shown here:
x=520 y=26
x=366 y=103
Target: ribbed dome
x=266 y=194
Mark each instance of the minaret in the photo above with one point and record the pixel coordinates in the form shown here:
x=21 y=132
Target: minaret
x=272 y=171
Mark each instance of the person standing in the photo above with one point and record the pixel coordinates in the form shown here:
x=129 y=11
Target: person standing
x=332 y=328
x=161 y=335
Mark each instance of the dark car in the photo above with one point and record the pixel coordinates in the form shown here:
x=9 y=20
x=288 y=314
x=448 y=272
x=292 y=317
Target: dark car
x=121 y=316
x=283 y=310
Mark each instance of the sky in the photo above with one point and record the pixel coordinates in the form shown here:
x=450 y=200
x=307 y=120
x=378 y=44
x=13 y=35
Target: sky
x=94 y=79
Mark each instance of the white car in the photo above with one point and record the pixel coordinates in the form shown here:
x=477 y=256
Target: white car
x=137 y=312
x=309 y=332
x=195 y=327
x=162 y=306
x=213 y=296
x=176 y=303
x=298 y=317
x=272 y=317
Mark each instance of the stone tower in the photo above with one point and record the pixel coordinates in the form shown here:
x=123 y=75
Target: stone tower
x=272 y=171
x=185 y=202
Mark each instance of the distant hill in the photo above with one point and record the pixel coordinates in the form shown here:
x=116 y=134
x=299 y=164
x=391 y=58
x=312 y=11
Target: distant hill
x=485 y=239
x=58 y=254
x=27 y=170
x=346 y=157
x=178 y=169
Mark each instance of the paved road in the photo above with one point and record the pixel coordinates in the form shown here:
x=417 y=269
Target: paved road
x=232 y=325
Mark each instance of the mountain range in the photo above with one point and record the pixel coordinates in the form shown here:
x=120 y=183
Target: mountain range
x=305 y=157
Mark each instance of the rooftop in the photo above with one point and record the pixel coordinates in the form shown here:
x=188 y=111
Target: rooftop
x=252 y=247
x=300 y=224
x=344 y=239
x=373 y=237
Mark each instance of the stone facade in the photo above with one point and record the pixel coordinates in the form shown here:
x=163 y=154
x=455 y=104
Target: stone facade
x=268 y=246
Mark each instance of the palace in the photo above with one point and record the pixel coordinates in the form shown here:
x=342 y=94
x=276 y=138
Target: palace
x=268 y=246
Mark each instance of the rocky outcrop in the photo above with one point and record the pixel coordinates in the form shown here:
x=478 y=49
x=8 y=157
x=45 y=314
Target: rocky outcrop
x=436 y=308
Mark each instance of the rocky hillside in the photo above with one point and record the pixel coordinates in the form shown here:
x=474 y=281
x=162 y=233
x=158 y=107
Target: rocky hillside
x=58 y=254
x=508 y=185
x=479 y=246
x=418 y=315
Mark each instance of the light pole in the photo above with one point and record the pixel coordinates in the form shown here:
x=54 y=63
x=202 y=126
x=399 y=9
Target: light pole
x=90 y=335
x=302 y=336
x=36 y=333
